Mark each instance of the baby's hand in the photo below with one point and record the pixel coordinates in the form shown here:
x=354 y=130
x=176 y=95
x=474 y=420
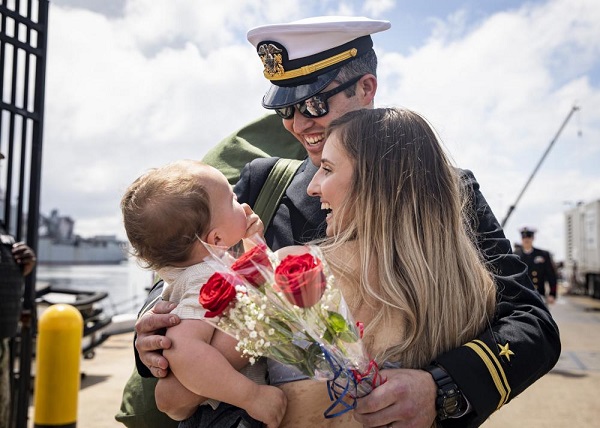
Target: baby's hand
x=268 y=406
x=253 y=222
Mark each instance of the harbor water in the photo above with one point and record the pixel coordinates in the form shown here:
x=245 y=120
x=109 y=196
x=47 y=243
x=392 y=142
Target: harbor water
x=126 y=283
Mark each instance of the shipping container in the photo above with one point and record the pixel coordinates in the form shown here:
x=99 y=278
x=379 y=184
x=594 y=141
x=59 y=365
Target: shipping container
x=582 y=239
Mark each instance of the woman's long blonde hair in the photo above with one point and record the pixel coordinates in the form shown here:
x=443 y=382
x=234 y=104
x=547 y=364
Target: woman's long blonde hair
x=407 y=215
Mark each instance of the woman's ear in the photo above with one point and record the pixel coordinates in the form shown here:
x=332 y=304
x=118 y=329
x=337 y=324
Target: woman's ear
x=366 y=89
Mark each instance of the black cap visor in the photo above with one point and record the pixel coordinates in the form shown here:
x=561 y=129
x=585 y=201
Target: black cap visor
x=283 y=96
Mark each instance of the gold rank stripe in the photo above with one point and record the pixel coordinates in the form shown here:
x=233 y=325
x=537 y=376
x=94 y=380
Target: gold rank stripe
x=495 y=369
x=311 y=68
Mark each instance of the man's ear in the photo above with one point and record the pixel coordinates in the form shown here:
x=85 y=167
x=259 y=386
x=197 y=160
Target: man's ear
x=366 y=89
x=213 y=237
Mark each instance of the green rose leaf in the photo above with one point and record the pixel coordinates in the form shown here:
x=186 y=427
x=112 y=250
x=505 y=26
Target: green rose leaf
x=339 y=328
x=292 y=354
x=337 y=323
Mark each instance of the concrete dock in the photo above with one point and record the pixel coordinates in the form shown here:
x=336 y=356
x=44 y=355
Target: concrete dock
x=567 y=397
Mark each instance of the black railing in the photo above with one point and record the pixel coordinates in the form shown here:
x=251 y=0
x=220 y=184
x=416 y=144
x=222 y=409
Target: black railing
x=23 y=38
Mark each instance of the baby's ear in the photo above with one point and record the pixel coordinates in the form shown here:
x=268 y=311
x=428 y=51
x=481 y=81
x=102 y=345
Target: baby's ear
x=213 y=237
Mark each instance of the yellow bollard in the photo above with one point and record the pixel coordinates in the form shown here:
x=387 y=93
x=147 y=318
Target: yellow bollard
x=58 y=353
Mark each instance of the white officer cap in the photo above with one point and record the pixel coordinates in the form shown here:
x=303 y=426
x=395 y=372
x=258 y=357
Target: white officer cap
x=302 y=57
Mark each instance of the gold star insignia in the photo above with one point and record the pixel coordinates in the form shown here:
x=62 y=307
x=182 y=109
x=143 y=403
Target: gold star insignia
x=504 y=351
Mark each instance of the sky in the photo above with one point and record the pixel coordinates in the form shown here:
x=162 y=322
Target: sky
x=135 y=84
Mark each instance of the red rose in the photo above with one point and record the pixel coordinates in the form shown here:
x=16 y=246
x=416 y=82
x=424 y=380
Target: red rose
x=251 y=263
x=301 y=279
x=217 y=293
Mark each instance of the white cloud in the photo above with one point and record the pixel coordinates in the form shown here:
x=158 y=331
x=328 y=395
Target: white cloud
x=162 y=80
x=113 y=111
x=497 y=92
x=377 y=8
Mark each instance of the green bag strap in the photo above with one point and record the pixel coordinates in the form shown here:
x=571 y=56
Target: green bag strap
x=275 y=185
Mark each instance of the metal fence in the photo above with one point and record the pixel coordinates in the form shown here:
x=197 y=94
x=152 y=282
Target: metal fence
x=23 y=37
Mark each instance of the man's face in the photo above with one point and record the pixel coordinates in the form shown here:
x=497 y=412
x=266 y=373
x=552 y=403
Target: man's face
x=527 y=239
x=310 y=131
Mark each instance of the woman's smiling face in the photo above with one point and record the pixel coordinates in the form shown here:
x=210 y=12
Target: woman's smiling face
x=332 y=182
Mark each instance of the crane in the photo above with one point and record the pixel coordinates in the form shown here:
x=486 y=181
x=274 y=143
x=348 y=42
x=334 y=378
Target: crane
x=513 y=206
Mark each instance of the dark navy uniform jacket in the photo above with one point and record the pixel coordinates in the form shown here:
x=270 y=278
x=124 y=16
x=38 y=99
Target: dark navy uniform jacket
x=541 y=269
x=523 y=342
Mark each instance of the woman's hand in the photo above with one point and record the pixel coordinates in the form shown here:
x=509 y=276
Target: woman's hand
x=407 y=396
x=151 y=340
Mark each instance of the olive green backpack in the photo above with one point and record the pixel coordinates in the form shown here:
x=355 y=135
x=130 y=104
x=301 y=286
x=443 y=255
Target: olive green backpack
x=138 y=407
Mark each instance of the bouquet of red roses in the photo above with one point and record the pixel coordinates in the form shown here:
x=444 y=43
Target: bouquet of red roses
x=291 y=311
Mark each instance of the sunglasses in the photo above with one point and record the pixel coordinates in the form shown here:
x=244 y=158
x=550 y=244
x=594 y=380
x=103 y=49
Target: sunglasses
x=527 y=235
x=315 y=106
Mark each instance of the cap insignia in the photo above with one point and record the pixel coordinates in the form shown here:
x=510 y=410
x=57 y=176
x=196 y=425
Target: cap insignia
x=271 y=58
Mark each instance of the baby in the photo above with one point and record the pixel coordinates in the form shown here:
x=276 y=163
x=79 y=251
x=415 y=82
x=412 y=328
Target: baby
x=167 y=212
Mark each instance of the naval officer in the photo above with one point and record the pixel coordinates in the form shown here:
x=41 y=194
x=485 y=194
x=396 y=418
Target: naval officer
x=539 y=263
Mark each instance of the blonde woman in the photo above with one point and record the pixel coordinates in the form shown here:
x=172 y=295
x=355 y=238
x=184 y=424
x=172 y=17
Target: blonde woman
x=400 y=245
